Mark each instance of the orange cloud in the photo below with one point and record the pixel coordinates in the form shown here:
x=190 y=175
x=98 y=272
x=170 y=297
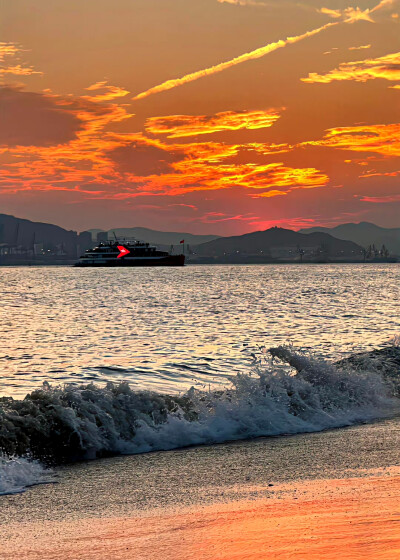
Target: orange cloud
x=383 y=139
x=19 y=70
x=360 y=48
x=252 y=55
x=386 y=68
x=352 y=15
x=10 y=51
x=272 y=193
x=197 y=175
x=89 y=159
x=336 y=14
x=81 y=154
x=110 y=92
x=179 y=126
x=278 y=175
x=374 y=173
x=381 y=199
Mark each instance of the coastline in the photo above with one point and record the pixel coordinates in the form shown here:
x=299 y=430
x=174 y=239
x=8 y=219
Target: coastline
x=321 y=496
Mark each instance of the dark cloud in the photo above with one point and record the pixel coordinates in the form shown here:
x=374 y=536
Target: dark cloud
x=143 y=160
x=34 y=119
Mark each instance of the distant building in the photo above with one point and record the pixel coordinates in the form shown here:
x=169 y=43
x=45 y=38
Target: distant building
x=291 y=252
x=38 y=249
x=102 y=237
x=85 y=240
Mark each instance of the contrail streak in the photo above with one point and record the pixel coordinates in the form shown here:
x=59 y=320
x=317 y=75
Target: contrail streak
x=383 y=4
x=257 y=53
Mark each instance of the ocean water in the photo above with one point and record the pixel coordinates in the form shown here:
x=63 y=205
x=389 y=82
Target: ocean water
x=147 y=360
x=167 y=329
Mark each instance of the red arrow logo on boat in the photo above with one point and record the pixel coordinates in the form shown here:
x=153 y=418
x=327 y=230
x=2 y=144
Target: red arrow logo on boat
x=122 y=251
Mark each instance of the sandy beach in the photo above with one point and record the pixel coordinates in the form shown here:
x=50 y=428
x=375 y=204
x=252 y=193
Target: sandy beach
x=354 y=518
x=321 y=496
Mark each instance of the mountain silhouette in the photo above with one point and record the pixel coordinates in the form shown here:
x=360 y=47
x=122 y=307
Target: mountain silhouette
x=279 y=243
x=364 y=234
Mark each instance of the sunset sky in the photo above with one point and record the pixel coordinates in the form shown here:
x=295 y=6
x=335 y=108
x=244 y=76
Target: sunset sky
x=209 y=116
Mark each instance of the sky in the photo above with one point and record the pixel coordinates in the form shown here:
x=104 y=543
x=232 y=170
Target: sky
x=207 y=116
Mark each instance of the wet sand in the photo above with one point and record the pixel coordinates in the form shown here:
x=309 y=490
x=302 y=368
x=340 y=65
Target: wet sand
x=354 y=518
x=326 y=496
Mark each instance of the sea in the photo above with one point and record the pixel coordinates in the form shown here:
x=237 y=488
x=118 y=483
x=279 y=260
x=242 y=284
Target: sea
x=103 y=362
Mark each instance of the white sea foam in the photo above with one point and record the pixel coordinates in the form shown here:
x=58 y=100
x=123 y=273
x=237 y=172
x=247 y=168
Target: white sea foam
x=274 y=402
x=82 y=422
x=17 y=474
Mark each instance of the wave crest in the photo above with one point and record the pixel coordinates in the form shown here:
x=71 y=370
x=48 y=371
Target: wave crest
x=62 y=424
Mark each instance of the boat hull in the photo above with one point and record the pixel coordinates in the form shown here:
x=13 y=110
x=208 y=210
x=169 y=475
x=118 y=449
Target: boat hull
x=170 y=260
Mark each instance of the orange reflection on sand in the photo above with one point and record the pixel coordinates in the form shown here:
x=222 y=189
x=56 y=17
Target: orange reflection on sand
x=348 y=519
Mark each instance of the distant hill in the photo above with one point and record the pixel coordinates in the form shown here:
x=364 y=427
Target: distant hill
x=157 y=237
x=279 y=244
x=19 y=232
x=20 y=238
x=364 y=234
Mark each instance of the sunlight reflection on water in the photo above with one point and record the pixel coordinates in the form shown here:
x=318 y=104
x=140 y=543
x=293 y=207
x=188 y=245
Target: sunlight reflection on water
x=166 y=329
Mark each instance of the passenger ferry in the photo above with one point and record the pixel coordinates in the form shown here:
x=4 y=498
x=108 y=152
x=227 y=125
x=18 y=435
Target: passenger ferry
x=129 y=253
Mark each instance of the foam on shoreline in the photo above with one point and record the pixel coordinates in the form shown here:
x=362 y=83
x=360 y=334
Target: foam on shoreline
x=75 y=422
x=19 y=473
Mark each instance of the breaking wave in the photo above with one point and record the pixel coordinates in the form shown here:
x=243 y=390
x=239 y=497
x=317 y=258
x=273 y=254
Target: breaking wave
x=287 y=394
